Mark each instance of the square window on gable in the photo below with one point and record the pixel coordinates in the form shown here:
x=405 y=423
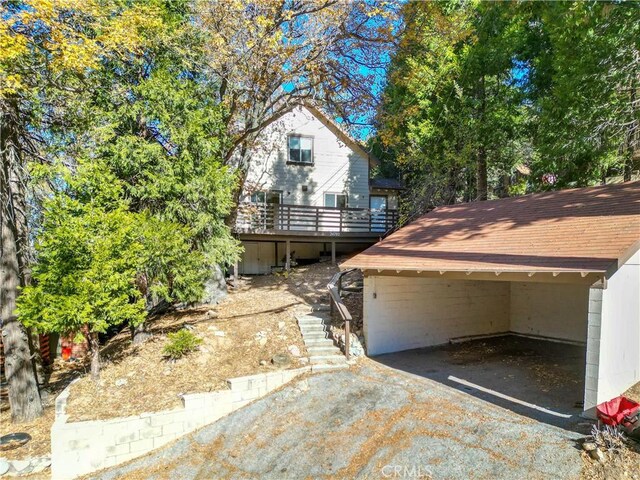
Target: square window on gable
x=300 y=149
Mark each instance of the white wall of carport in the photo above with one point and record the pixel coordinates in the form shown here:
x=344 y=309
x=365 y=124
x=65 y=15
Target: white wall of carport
x=619 y=365
x=554 y=310
x=412 y=312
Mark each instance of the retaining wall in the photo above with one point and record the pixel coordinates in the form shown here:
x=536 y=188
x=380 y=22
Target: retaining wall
x=82 y=447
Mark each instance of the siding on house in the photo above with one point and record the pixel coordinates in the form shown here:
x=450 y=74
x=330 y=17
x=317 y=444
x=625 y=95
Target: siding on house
x=619 y=365
x=550 y=310
x=337 y=168
x=411 y=313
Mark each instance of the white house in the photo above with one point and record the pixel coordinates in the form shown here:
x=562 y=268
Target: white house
x=561 y=266
x=308 y=194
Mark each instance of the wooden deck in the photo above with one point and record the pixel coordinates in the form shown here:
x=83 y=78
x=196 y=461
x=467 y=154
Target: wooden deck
x=313 y=221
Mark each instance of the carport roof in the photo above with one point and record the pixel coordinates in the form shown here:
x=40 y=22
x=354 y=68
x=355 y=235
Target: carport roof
x=586 y=230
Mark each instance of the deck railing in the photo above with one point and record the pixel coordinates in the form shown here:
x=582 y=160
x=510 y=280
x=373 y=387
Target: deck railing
x=274 y=217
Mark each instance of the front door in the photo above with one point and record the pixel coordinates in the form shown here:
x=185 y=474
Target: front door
x=378 y=206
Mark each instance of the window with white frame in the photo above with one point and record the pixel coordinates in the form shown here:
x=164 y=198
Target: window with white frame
x=300 y=149
x=258 y=197
x=336 y=200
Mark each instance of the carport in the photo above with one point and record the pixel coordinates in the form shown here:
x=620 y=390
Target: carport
x=558 y=268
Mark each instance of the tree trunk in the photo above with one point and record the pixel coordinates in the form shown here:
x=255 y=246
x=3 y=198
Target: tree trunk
x=629 y=149
x=139 y=333
x=24 y=397
x=94 y=344
x=481 y=174
x=242 y=171
x=36 y=355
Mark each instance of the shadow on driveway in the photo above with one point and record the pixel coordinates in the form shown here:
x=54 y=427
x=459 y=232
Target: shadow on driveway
x=367 y=422
x=540 y=379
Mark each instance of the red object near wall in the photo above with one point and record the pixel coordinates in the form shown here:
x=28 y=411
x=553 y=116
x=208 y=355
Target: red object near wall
x=65 y=352
x=618 y=411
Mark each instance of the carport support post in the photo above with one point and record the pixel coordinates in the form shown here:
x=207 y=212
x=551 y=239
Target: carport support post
x=594 y=319
x=287 y=261
x=333 y=253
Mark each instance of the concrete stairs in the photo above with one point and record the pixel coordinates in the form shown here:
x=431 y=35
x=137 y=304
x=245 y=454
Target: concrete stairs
x=323 y=353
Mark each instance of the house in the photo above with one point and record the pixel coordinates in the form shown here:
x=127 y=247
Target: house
x=561 y=266
x=308 y=195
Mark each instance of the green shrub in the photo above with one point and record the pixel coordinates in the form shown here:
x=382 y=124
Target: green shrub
x=180 y=343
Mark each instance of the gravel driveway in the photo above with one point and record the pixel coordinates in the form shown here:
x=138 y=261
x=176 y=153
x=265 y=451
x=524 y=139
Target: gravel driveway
x=367 y=422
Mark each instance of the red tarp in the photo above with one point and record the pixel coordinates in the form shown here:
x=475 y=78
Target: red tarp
x=614 y=411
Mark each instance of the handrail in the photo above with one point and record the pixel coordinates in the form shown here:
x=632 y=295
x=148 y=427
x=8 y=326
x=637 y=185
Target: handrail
x=335 y=286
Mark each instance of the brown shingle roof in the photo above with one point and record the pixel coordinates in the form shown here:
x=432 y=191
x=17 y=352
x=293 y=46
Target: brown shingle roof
x=583 y=229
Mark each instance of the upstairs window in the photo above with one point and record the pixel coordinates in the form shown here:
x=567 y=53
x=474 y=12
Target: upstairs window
x=258 y=197
x=336 y=200
x=300 y=149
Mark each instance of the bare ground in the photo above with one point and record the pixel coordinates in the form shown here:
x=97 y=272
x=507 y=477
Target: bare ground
x=622 y=464
x=259 y=304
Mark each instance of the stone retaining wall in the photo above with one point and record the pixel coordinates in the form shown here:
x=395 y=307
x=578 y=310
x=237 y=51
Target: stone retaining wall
x=83 y=447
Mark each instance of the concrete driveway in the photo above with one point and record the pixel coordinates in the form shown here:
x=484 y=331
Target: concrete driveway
x=368 y=422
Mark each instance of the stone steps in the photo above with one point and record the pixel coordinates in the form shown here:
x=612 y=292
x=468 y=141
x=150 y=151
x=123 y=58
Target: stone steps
x=323 y=353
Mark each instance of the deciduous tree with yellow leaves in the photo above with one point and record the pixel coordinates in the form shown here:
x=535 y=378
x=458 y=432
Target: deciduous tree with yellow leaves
x=267 y=56
x=48 y=53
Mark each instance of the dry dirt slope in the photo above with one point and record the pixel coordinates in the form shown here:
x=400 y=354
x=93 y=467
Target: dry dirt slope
x=231 y=347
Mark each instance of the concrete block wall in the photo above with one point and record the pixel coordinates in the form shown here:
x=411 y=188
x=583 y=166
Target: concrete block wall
x=593 y=351
x=402 y=313
x=79 y=448
x=550 y=310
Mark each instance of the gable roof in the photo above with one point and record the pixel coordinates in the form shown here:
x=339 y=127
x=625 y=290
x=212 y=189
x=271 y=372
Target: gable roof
x=579 y=230
x=338 y=131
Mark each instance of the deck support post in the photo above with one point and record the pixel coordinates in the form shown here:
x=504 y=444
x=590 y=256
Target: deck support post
x=333 y=253
x=287 y=261
x=235 y=274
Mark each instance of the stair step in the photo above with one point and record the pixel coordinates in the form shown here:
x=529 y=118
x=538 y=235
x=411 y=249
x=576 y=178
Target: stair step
x=333 y=359
x=323 y=350
x=317 y=317
x=313 y=335
x=310 y=322
x=318 y=342
x=325 y=367
x=312 y=328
